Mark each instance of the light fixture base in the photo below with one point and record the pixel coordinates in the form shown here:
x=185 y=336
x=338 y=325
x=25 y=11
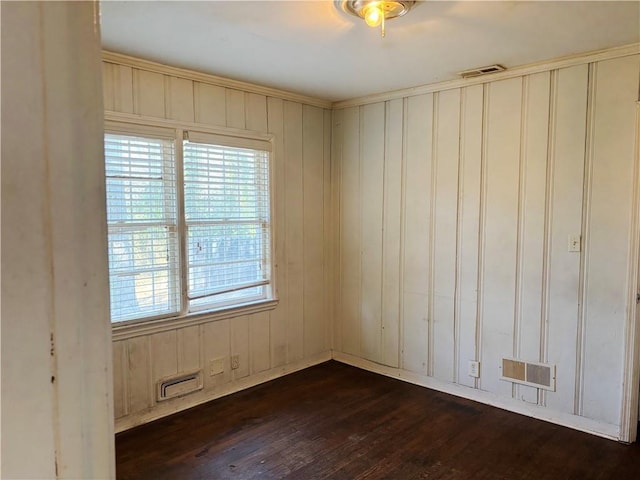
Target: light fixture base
x=392 y=9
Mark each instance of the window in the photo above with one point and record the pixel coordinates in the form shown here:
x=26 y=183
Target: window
x=188 y=221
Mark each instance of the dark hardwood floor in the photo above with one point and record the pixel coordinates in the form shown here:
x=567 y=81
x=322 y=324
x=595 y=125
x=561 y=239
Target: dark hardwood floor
x=337 y=422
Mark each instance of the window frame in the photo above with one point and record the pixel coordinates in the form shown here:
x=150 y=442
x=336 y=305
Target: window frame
x=127 y=124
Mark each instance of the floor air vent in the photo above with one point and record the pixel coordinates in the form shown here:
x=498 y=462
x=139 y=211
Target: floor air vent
x=476 y=72
x=537 y=375
x=180 y=385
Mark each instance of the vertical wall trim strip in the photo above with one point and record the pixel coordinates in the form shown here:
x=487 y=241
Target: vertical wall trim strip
x=168 y=113
x=284 y=156
x=360 y=173
x=302 y=163
x=585 y=243
x=459 y=213
x=150 y=394
x=546 y=249
x=403 y=225
x=124 y=377
x=486 y=90
x=327 y=233
x=522 y=194
x=432 y=234
x=135 y=80
x=337 y=163
x=385 y=157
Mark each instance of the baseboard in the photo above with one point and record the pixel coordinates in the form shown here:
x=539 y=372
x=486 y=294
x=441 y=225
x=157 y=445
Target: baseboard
x=183 y=403
x=575 y=422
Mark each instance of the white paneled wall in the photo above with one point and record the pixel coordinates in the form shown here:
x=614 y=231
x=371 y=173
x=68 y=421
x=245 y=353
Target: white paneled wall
x=455 y=209
x=297 y=332
x=415 y=234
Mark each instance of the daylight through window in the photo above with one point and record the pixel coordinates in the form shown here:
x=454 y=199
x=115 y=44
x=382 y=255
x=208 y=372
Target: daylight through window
x=203 y=244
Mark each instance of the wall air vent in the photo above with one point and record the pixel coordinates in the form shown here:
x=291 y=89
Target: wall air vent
x=179 y=385
x=476 y=72
x=537 y=375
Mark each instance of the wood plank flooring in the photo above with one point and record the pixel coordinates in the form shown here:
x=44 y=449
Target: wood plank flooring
x=333 y=421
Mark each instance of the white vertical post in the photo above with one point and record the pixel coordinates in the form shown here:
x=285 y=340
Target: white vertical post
x=57 y=406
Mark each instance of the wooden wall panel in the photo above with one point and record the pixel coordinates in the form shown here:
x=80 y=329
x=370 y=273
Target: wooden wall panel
x=235 y=108
x=607 y=248
x=416 y=262
x=189 y=351
x=108 y=91
x=500 y=230
x=294 y=199
x=350 y=232
x=328 y=244
x=164 y=356
x=392 y=232
x=372 y=127
x=278 y=317
x=149 y=93
x=239 y=327
x=210 y=104
x=445 y=225
x=256 y=112
x=179 y=101
x=138 y=374
x=313 y=237
x=259 y=342
x=120 y=366
x=216 y=344
x=565 y=180
x=531 y=227
x=337 y=140
x=123 y=89
x=470 y=174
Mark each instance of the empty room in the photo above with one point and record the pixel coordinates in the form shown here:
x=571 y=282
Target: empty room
x=320 y=240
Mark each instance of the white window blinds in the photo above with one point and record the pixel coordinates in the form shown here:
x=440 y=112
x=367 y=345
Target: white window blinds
x=227 y=217
x=189 y=224
x=142 y=226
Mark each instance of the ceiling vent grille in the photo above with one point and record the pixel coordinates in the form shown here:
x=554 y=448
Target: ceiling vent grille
x=537 y=375
x=476 y=72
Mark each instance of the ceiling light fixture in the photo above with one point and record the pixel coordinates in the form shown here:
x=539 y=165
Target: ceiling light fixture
x=376 y=12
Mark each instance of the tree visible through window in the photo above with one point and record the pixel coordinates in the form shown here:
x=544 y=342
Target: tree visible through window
x=224 y=227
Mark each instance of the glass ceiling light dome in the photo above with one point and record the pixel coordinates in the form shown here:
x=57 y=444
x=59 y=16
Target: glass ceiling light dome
x=375 y=12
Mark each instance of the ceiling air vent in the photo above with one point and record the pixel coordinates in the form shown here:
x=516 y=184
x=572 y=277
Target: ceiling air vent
x=476 y=72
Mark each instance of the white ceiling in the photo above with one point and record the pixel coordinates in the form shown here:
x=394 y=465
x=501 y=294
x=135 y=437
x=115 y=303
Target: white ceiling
x=310 y=47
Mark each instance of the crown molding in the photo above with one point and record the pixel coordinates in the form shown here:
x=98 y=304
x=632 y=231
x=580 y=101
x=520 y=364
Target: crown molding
x=121 y=59
x=562 y=62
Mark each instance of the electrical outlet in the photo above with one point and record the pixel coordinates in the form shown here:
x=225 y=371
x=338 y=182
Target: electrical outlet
x=235 y=362
x=216 y=366
x=474 y=368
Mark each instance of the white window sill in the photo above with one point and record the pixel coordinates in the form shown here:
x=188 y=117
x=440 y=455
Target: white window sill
x=137 y=329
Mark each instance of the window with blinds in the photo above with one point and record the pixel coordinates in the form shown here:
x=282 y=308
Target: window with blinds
x=142 y=225
x=226 y=205
x=217 y=213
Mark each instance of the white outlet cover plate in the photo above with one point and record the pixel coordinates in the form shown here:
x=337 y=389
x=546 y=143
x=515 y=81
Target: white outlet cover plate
x=216 y=366
x=474 y=369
